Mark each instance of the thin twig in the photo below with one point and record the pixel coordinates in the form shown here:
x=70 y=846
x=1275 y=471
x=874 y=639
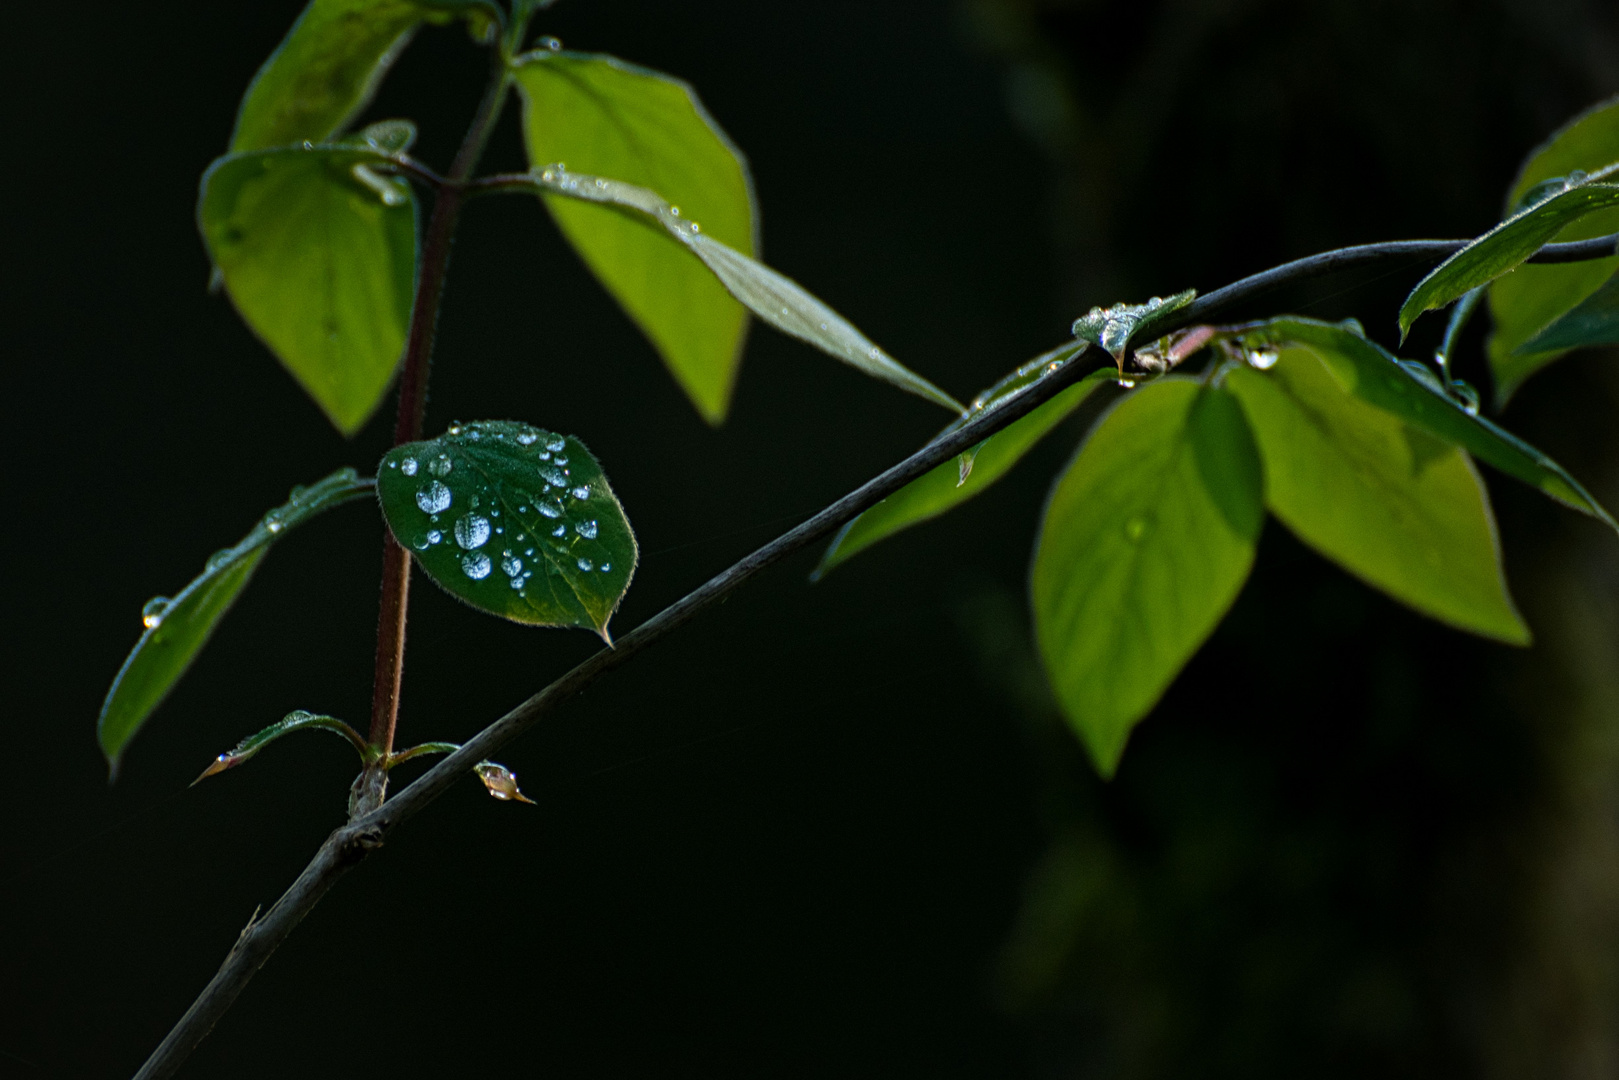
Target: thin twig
x=347 y=846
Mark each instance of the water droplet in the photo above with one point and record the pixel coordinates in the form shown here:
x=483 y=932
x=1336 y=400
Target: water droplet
x=308 y=145
x=544 y=455
x=586 y=565
x=434 y=498
x=527 y=438
x=674 y=211
x=1263 y=359
x=152 y=614
x=581 y=492
x=420 y=543
x=511 y=564
x=550 y=510
x=434 y=537
x=298 y=491
x=220 y=558
x=1128 y=384
x=553 y=475
x=695 y=227
x=555 y=442
x=1135 y=529
x=441 y=465
x=501 y=782
x=472 y=531
x=476 y=565
x=606 y=566
x=560 y=530
x=550 y=44
x=528 y=551
x=517 y=583
x=586 y=529
x=408 y=466
x=560 y=459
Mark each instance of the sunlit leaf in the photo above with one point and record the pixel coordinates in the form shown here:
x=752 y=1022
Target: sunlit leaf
x=328 y=67
x=776 y=299
x=516 y=521
x=1146 y=541
x=177 y=629
x=293 y=721
x=597 y=114
x=1532 y=296
x=1507 y=245
x=1114 y=328
x=953 y=483
x=1393 y=505
x=318 y=253
x=1374 y=375
x=1593 y=321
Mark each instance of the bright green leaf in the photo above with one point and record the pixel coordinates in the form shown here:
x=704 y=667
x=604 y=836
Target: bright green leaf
x=961 y=478
x=1374 y=375
x=596 y=114
x=776 y=299
x=1391 y=504
x=1593 y=321
x=516 y=521
x=1507 y=245
x=318 y=253
x=1146 y=541
x=1531 y=297
x=176 y=630
x=328 y=67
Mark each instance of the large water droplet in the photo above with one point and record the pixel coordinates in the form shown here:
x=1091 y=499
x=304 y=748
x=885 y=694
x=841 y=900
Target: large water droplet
x=154 y=610
x=550 y=510
x=555 y=442
x=501 y=782
x=1263 y=359
x=527 y=438
x=408 y=466
x=553 y=476
x=581 y=492
x=434 y=498
x=476 y=565
x=472 y=531
x=587 y=529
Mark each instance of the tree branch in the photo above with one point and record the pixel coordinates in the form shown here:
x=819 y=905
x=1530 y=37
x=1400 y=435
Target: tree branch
x=347 y=846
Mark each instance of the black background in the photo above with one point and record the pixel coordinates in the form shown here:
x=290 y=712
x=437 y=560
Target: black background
x=829 y=830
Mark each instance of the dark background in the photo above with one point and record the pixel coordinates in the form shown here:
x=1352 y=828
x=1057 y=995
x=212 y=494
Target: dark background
x=831 y=830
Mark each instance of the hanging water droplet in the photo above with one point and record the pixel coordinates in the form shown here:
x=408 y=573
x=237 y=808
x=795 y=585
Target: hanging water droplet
x=555 y=442
x=1128 y=384
x=408 y=466
x=434 y=498
x=441 y=465
x=472 y=531
x=476 y=565
x=1262 y=359
x=501 y=782
x=586 y=565
x=587 y=529
x=154 y=610
x=581 y=492
x=511 y=564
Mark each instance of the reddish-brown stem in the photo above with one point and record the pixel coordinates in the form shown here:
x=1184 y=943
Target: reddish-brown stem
x=415 y=369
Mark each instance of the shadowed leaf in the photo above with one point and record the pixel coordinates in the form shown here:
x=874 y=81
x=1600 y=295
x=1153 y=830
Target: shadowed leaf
x=293 y=721
x=1593 y=321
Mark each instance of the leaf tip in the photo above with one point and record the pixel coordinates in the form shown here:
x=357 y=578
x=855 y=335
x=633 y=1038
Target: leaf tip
x=217 y=766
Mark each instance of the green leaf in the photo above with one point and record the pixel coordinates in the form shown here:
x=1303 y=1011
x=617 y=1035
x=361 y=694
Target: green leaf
x=176 y=630
x=953 y=483
x=1533 y=296
x=1510 y=243
x=776 y=299
x=1391 y=504
x=318 y=253
x=1115 y=327
x=328 y=67
x=597 y=114
x=516 y=521
x=1146 y=541
x=1377 y=377
x=1593 y=321
x=293 y=721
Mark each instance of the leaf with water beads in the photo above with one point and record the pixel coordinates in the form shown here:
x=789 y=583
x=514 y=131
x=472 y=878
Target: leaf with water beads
x=1113 y=328
x=517 y=521
x=293 y=721
x=775 y=298
x=949 y=485
x=328 y=67
x=177 y=629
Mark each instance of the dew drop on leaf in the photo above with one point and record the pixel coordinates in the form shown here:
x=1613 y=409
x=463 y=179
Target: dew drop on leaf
x=511 y=564
x=587 y=529
x=408 y=466
x=152 y=613
x=555 y=442
x=472 y=531
x=553 y=476
x=441 y=465
x=434 y=498
x=476 y=566
x=586 y=565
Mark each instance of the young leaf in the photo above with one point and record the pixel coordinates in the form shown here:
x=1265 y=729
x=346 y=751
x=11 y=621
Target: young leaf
x=1532 y=296
x=1147 y=539
x=516 y=521
x=1115 y=327
x=1509 y=243
x=953 y=483
x=778 y=300
x=318 y=253
x=176 y=630
x=1593 y=321
x=328 y=67
x=293 y=721
x=597 y=114
x=1391 y=504
x=1377 y=377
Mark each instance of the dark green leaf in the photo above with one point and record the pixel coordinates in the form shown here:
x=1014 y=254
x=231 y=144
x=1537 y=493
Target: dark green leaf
x=957 y=480
x=1531 y=297
x=776 y=299
x=1390 y=503
x=1374 y=375
x=1114 y=328
x=293 y=721
x=1593 y=321
x=596 y=114
x=1508 y=244
x=514 y=520
x=1146 y=541
x=176 y=630
x=331 y=62
x=318 y=253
